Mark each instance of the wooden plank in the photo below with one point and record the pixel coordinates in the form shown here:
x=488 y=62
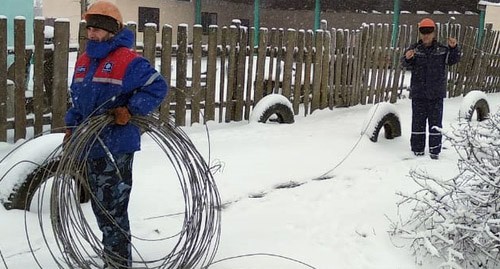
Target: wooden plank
x=337 y=74
x=355 y=78
x=370 y=66
x=222 y=84
x=318 y=63
x=331 y=67
x=82 y=38
x=325 y=69
x=61 y=58
x=278 y=78
x=3 y=79
x=372 y=98
x=149 y=51
x=288 y=56
x=307 y=71
x=211 y=73
x=196 y=93
x=299 y=70
x=239 y=90
x=166 y=70
x=350 y=56
x=132 y=26
x=363 y=54
x=20 y=78
x=383 y=64
x=398 y=78
x=273 y=51
x=38 y=74
x=181 y=74
x=345 y=93
x=261 y=65
x=231 y=76
x=250 y=75
x=462 y=68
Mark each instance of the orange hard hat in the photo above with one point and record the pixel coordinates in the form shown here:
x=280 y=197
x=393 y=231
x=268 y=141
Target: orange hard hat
x=427 y=23
x=104 y=8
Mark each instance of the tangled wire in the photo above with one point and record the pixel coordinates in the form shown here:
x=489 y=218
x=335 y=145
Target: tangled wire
x=79 y=247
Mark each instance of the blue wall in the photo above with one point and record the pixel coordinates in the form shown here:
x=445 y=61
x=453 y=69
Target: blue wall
x=13 y=8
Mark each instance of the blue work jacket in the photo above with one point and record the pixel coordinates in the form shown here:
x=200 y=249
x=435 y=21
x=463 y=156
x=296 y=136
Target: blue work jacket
x=429 y=72
x=108 y=75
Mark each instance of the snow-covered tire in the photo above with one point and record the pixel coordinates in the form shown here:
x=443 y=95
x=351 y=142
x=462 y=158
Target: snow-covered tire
x=273 y=104
x=25 y=169
x=382 y=115
x=22 y=196
x=474 y=101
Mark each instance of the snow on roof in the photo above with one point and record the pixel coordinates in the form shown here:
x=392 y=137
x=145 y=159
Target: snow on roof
x=489 y=3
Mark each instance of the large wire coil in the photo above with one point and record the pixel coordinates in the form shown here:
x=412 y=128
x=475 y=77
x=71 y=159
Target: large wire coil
x=79 y=247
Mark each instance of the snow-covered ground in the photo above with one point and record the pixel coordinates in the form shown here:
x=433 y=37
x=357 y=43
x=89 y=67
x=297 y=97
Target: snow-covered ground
x=338 y=215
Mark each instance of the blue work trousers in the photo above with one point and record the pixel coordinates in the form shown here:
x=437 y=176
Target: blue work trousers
x=111 y=182
x=426 y=113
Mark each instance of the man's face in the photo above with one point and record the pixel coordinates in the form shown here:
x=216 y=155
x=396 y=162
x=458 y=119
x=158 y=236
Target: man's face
x=97 y=34
x=427 y=38
x=427 y=34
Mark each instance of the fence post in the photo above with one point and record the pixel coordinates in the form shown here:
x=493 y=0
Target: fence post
x=38 y=75
x=261 y=66
x=132 y=26
x=318 y=64
x=3 y=79
x=308 y=55
x=180 y=91
x=223 y=62
x=211 y=73
x=20 y=78
x=196 y=74
x=60 y=86
x=10 y=99
x=166 y=69
x=231 y=75
x=250 y=74
x=287 y=72
x=297 y=91
x=325 y=86
x=82 y=37
x=238 y=93
x=149 y=50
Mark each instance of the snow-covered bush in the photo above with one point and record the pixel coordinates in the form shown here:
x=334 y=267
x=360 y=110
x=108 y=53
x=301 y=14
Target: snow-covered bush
x=458 y=220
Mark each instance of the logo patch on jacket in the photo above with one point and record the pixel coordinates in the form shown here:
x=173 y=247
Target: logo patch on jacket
x=81 y=69
x=108 y=67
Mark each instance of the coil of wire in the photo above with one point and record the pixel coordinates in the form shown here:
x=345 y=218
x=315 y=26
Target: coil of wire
x=77 y=244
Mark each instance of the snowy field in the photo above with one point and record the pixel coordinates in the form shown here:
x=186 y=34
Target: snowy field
x=338 y=215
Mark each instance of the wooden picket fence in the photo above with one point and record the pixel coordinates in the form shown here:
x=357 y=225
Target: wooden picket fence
x=221 y=76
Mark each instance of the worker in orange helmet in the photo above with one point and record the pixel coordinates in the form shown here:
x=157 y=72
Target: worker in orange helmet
x=112 y=79
x=428 y=60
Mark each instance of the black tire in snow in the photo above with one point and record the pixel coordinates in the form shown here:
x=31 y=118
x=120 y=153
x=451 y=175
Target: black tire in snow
x=481 y=108
x=22 y=196
x=475 y=101
x=392 y=127
x=270 y=105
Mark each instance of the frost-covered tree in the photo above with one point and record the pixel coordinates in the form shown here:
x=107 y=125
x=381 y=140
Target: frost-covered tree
x=458 y=220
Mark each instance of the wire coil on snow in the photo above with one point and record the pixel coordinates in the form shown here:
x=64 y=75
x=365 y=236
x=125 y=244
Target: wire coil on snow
x=81 y=248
